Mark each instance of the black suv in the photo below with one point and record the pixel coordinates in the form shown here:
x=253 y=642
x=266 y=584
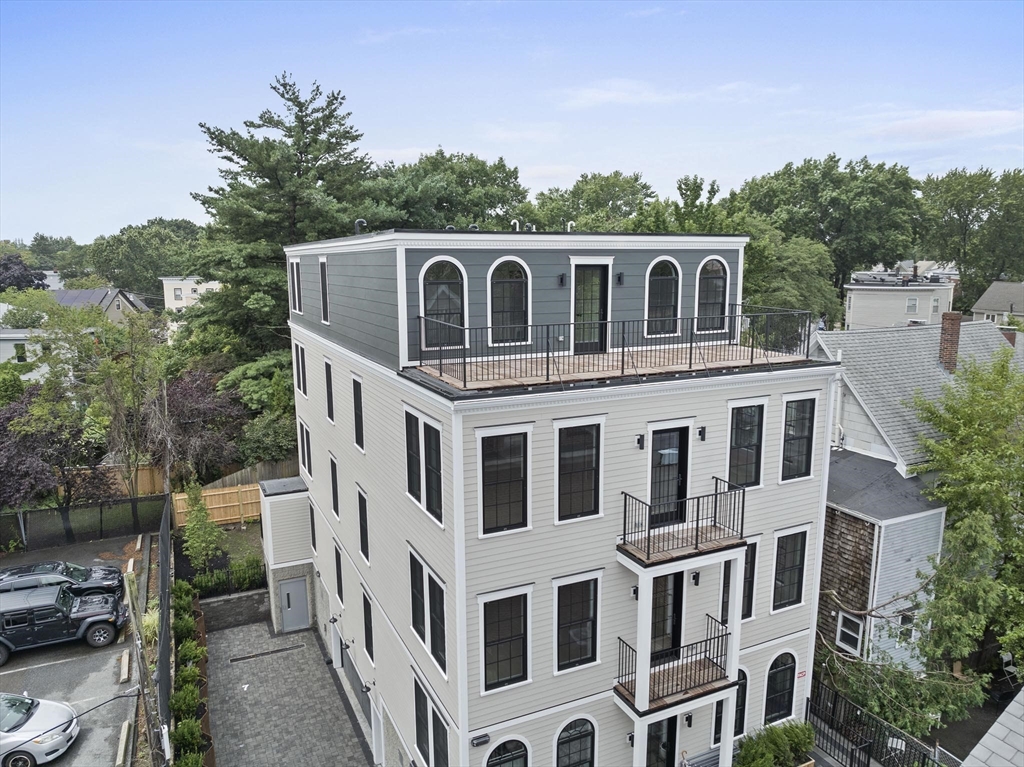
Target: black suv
x=81 y=581
x=51 y=614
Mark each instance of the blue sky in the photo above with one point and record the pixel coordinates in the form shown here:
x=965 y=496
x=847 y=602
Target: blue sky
x=99 y=102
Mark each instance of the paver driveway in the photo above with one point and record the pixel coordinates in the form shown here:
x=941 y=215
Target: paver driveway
x=280 y=708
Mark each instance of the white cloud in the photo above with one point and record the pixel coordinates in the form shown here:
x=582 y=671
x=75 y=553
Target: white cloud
x=378 y=36
x=940 y=125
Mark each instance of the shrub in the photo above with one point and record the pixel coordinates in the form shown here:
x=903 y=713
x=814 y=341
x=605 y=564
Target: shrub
x=190 y=652
x=184 y=628
x=184 y=702
x=191 y=759
x=753 y=752
x=188 y=736
x=182 y=590
x=203 y=538
x=211 y=582
x=777 y=744
x=181 y=606
x=800 y=736
x=186 y=675
x=151 y=625
x=247 y=573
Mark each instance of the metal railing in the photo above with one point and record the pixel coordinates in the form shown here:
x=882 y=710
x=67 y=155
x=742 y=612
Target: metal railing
x=627 y=665
x=615 y=347
x=689 y=522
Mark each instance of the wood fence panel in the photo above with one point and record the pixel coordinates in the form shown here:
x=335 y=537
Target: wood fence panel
x=225 y=504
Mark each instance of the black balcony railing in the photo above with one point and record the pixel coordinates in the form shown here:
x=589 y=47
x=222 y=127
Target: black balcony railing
x=689 y=524
x=627 y=665
x=552 y=352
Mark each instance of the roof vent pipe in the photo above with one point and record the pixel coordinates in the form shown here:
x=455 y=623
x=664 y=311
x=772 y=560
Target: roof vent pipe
x=359 y=223
x=474 y=228
x=449 y=228
x=569 y=226
x=515 y=224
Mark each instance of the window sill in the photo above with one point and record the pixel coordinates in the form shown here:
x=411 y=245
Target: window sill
x=362 y=450
x=506 y=687
x=496 y=344
x=423 y=508
x=786 y=609
x=796 y=480
x=502 y=533
x=583 y=518
x=581 y=667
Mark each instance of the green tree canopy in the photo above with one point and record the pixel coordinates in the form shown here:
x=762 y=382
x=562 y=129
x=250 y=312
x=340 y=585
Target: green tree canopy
x=45 y=248
x=597 y=202
x=135 y=258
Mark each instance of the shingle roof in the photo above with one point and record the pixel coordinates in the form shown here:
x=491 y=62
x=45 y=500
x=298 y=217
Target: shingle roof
x=873 y=487
x=1003 y=744
x=101 y=297
x=999 y=296
x=886 y=366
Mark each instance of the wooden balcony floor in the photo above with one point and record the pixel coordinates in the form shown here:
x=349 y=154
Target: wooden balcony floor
x=684 y=676
x=498 y=373
x=673 y=543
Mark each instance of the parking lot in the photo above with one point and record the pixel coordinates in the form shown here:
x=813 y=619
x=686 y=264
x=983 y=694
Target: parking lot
x=83 y=676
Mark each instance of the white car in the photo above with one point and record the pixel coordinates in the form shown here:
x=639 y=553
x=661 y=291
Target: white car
x=34 y=731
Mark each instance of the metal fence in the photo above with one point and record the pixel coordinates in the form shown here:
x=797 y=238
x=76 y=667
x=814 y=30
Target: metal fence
x=244 y=575
x=44 y=528
x=163 y=663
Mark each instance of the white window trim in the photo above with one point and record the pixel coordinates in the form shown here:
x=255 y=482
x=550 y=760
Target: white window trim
x=505 y=739
x=575 y=261
x=304 y=467
x=301 y=380
x=567 y=580
x=362 y=493
x=795 y=397
x=935 y=304
x=362 y=402
x=679 y=297
x=292 y=304
x=696 y=293
x=325 y=287
x=332 y=462
x=425 y=641
x=422 y=504
x=737 y=403
x=805 y=528
x=373 y=629
x=494 y=596
x=117 y=304
x=432 y=711
x=562 y=726
x=690 y=424
x=465 y=298
x=839 y=632
x=529 y=302
x=746 y=708
x=317 y=513
x=909 y=310
x=755 y=539
x=497 y=431
x=341 y=554
x=568 y=423
x=334 y=393
x=764 y=686
x=179 y=294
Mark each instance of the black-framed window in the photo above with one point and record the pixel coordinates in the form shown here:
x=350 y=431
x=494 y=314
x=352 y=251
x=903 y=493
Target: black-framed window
x=431 y=731
x=505 y=626
x=422 y=723
x=296 y=288
x=335 y=504
x=778 y=702
x=312 y=527
x=329 y=390
x=663 y=299
x=741 y=709
x=432 y=470
x=711 y=296
x=723 y=613
x=305 y=449
x=368 y=626
x=419 y=611
x=749 y=571
x=576 y=744
x=504 y=482
x=789 y=570
x=300 y=368
x=510 y=753
x=510 y=295
x=443 y=303
x=364 y=528
x=440 y=741
x=423 y=464
x=745 y=443
x=579 y=450
x=577 y=624
x=437 y=628
x=797 y=439
x=357 y=410
x=412 y=454
x=325 y=311
x=338 y=586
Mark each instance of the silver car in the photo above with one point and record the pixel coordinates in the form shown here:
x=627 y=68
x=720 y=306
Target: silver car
x=34 y=731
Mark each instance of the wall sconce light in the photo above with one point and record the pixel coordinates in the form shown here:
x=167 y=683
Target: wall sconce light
x=702 y=432
x=640 y=441
x=696 y=577
x=345 y=645
x=635 y=591
x=365 y=687
x=333 y=620
x=629 y=737
x=480 y=740
x=561 y=280
x=689 y=720
x=620 y=278
x=317 y=573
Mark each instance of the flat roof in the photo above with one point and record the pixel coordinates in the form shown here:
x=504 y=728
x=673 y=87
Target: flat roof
x=286 y=486
x=873 y=488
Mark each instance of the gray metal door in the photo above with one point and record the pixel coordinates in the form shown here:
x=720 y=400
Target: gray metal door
x=294 y=608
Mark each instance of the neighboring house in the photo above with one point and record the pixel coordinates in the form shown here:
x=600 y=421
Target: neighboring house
x=53 y=280
x=880 y=301
x=1003 y=744
x=180 y=292
x=19 y=345
x=999 y=302
x=115 y=303
x=880 y=529
x=560 y=497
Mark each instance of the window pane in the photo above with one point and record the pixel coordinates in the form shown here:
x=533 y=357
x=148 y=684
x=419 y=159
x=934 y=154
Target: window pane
x=504 y=482
x=412 y=454
x=312 y=527
x=442 y=305
x=576 y=744
x=329 y=383
x=364 y=531
x=662 y=299
x=357 y=407
x=416 y=584
x=749 y=569
x=432 y=456
x=335 y=507
x=505 y=641
x=711 y=297
x=511 y=753
x=509 y=296
x=337 y=576
x=325 y=314
x=368 y=626
x=577 y=624
x=789 y=570
x=437 y=633
x=796 y=449
x=578 y=471
x=745 y=445
x=726 y=584
x=779 y=699
x=440 y=742
x=422 y=723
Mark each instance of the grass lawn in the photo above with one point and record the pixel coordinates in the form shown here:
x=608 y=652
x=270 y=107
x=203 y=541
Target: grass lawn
x=240 y=543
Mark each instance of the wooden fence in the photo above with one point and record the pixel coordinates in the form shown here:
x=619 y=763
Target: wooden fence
x=261 y=471
x=226 y=504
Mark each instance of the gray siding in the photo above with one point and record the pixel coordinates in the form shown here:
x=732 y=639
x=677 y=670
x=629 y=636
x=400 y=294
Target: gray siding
x=859 y=431
x=362 y=289
x=289 y=528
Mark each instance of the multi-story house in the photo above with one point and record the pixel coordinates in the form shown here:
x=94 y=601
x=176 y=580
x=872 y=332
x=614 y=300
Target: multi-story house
x=561 y=494
x=880 y=301
x=181 y=292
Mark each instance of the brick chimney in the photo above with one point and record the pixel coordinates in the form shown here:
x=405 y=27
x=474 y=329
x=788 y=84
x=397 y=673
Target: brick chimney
x=949 y=340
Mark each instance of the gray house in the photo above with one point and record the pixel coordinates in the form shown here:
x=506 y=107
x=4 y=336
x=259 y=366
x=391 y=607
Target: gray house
x=1000 y=301
x=561 y=494
x=115 y=303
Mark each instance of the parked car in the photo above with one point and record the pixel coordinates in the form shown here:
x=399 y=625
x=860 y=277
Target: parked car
x=52 y=614
x=34 y=731
x=81 y=581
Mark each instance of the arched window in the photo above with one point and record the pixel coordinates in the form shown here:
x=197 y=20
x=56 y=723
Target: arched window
x=576 y=744
x=442 y=303
x=662 y=299
x=778 y=702
x=511 y=753
x=739 y=725
x=510 y=297
x=711 y=296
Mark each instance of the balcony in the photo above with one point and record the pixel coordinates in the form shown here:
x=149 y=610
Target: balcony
x=663 y=532
x=690 y=671
x=570 y=352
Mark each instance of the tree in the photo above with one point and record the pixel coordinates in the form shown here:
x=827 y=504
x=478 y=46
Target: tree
x=22 y=317
x=15 y=274
x=597 y=202
x=11 y=386
x=444 y=189
x=135 y=258
x=86 y=282
x=26 y=475
x=45 y=248
x=203 y=539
